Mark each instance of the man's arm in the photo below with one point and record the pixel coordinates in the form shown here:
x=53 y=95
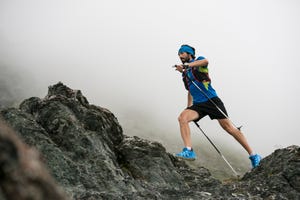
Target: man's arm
x=189 y=99
x=198 y=63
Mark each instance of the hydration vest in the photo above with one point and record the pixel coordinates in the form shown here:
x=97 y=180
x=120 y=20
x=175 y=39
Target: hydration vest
x=199 y=74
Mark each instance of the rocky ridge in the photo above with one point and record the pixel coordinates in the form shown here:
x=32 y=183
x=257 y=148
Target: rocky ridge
x=87 y=154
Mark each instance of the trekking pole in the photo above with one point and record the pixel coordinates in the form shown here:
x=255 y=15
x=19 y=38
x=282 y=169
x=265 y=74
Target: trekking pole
x=217 y=149
x=221 y=111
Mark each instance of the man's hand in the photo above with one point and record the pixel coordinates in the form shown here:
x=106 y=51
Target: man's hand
x=181 y=68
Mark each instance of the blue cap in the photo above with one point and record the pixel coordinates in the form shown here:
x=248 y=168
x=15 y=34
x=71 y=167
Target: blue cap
x=187 y=49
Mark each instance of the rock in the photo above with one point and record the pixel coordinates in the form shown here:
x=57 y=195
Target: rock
x=22 y=172
x=277 y=177
x=87 y=153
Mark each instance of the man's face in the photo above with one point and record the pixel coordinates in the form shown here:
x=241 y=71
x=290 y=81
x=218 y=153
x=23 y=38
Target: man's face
x=184 y=57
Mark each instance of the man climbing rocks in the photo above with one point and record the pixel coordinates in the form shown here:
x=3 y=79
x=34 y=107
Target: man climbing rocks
x=203 y=102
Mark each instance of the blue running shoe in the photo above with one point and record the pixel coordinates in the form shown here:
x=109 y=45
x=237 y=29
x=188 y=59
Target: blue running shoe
x=255 y=160
x=187 y=154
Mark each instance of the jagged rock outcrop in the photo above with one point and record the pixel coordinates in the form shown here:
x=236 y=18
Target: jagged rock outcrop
x=87 y=153
x=278 y=176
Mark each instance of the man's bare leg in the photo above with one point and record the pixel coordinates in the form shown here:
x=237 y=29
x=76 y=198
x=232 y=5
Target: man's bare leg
x=185 y=117
x=236 y=133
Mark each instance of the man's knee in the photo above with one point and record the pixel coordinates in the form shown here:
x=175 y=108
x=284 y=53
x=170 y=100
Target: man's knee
x=182 y=119
x=186 y=116
x=227 y=126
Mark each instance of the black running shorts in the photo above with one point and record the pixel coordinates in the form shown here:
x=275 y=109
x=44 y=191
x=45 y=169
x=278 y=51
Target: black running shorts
x=208 y=108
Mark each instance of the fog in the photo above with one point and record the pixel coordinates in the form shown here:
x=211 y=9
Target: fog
x=120 y=53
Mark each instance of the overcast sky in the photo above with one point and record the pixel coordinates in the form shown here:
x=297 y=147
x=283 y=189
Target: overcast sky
x=120 y=53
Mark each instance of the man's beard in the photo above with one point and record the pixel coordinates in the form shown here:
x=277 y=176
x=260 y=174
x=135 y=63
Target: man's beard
x=184 y=60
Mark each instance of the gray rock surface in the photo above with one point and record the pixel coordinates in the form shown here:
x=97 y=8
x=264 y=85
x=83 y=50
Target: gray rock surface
x=23 y=174
x=87 y=154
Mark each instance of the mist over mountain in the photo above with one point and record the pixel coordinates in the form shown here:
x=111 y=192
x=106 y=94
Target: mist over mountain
x=10 y=90
x=16 y=84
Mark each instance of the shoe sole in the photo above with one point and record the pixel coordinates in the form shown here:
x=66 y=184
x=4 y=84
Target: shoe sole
x=183 y=158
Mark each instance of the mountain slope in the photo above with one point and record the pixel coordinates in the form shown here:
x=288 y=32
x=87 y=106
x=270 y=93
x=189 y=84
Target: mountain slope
x=87 y=154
